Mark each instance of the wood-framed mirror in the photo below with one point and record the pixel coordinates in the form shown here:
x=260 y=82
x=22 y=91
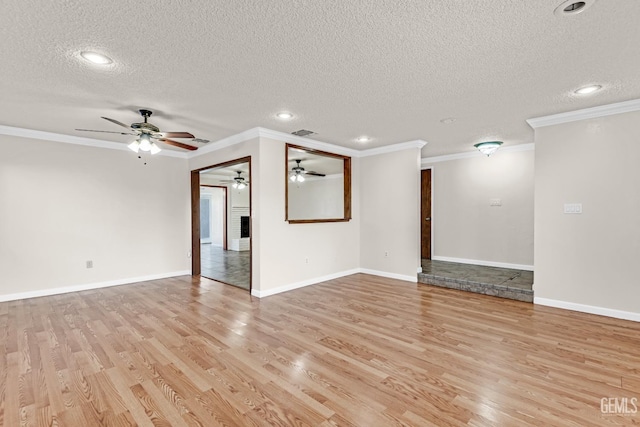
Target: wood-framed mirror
x=318 y=186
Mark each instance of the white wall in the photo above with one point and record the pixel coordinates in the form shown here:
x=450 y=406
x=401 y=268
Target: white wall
x=330 y=248
x=63 y=204
x=466 y=227
x=389 y=201
x=589 y=259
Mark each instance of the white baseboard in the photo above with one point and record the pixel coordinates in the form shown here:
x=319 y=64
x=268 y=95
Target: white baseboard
x=484 y=263
x=315 y=280
x=302 y=284
x=397 y=276
x=86 y=287
x=601 y=311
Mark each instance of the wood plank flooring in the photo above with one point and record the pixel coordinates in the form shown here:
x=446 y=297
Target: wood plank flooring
x=356 y=351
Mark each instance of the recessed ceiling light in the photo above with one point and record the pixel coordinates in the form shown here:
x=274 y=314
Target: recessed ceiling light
x=448 y=120
x=572 y=7
x=363 y=139
x=284 y=115
x=586 y=90
x=96 y=58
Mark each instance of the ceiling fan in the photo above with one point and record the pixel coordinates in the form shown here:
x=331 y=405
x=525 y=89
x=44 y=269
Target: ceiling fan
x=148 y=135
x=297 y=172
x=238 y=181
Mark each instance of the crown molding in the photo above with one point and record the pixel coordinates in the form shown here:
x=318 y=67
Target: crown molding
x=418 y=143
x=225 y=142
x=586 y=113
x=257 y=132
x=302 y=141
x=308 y=142
x=77 y=140
x=472 y=154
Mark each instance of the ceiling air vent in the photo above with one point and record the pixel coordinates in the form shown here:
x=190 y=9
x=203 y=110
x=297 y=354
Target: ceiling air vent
x=303 y=132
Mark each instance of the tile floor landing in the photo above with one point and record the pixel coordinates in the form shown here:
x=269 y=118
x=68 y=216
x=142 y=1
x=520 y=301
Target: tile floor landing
x=230 y=267
x=499 y=282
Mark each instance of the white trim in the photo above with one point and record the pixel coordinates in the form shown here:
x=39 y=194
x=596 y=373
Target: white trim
x=316 y=280
x=586 y=113
x=397 y=276
x=213 y=146
x=225 y=142
x=307 y=142
x=601 y=311
x=89 y=286
x=475 y=153
x=77 y=140
x=418 y=143
x=303 y=283
x=484 y=263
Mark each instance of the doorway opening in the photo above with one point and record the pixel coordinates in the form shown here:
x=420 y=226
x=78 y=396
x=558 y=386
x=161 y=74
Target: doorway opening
x=425 y=214
x=221 y=222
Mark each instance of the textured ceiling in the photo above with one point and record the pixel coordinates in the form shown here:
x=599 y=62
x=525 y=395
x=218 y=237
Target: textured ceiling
x=391 y=70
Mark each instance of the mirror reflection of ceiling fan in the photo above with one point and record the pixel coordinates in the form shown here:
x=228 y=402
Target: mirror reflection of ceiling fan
x=297 y=173
x=238 y=181
x=148 y=134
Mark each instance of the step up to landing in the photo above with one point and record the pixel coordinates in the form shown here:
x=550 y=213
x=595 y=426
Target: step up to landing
x=494 y=281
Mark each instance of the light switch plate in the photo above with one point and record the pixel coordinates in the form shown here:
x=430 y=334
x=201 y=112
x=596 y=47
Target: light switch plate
x=573 y=208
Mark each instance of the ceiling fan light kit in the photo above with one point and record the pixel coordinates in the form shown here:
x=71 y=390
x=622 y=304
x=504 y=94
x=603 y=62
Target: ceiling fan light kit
x=148 y=134
x=239 y=183
x=298 y=173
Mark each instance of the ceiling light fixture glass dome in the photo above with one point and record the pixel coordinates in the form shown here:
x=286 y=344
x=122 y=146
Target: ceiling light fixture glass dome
x=488 y=147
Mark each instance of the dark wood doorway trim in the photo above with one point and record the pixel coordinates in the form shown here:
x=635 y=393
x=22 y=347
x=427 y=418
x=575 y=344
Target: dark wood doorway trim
x=425 y=213
x=196 y=266
x=226 y=212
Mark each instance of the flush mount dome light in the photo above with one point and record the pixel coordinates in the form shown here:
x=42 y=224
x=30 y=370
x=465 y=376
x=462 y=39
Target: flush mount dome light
x=488 y=147
x=96 y=58
x=284 y=115
x=572 y=7
x=586 y=90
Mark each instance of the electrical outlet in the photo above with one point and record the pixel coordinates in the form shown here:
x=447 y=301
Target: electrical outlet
x=89 y=264
x=306 y=260
x=386 y=254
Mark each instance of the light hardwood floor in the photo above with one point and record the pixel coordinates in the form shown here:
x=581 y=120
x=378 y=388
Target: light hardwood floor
x=357 y=351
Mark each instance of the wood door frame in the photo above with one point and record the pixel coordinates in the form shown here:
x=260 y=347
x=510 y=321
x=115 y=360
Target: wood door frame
x=196 y=266
x=431 y=168
x=226 y=212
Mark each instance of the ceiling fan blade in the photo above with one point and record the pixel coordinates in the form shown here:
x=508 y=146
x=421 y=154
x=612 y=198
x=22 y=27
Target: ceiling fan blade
x=105 y=131
x=314 y=173
x=175 y=135
x=177 y=144
x=116 y=122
